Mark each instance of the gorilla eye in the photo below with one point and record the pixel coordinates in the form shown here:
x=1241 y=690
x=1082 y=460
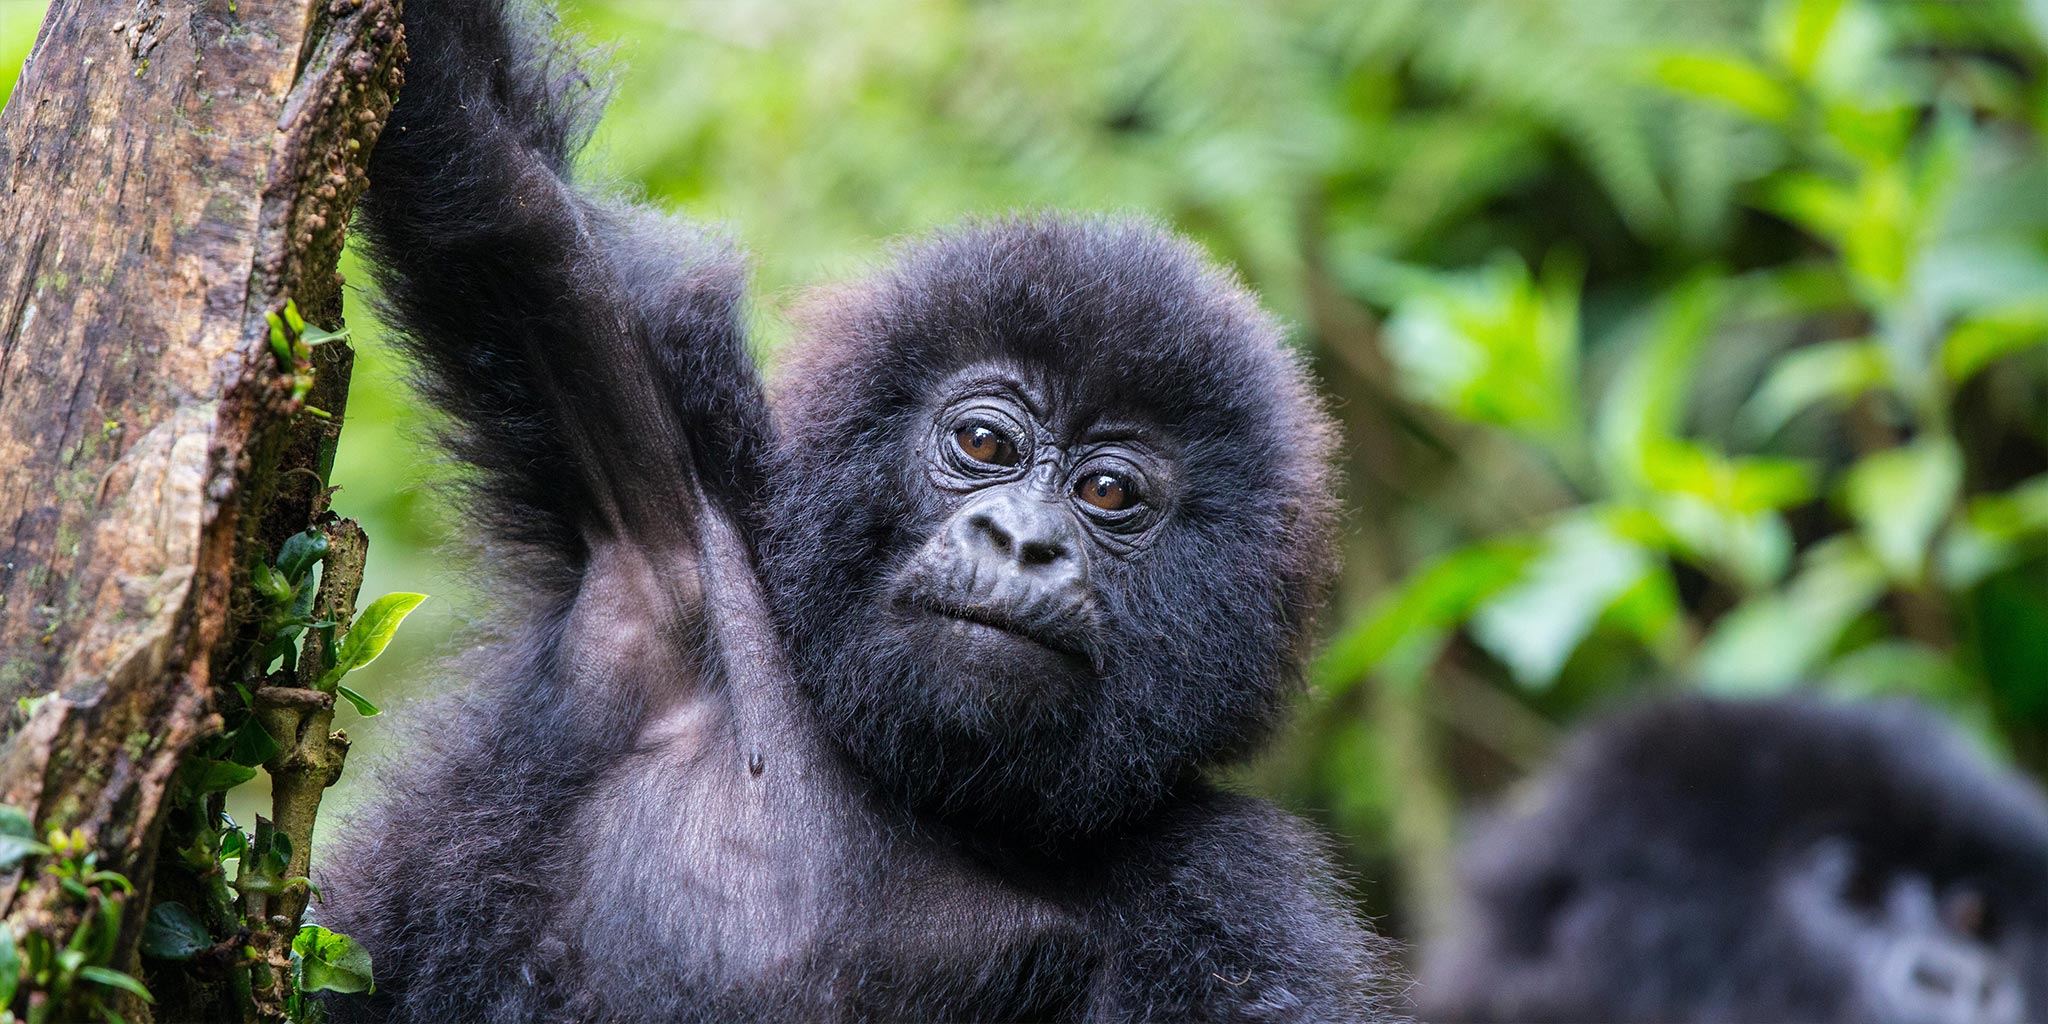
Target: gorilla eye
x=984 y=443
x=1105 y=491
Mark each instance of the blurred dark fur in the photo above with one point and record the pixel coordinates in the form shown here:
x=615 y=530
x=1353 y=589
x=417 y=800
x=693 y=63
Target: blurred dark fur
x=1659 y=872
x=536 y=857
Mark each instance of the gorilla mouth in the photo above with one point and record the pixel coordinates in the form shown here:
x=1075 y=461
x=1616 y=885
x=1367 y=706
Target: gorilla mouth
x=1043 y=634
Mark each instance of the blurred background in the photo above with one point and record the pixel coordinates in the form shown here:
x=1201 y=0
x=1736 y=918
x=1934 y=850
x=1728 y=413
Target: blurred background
x=1679 y=345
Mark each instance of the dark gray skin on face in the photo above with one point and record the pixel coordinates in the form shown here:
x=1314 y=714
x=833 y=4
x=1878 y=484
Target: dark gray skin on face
x=1747 y=861
x=891 y=702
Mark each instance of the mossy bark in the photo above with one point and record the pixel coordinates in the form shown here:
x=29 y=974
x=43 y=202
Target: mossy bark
x=172 y=172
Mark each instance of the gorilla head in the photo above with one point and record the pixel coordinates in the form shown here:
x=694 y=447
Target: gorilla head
x=1782 y=860
x=1051 y=513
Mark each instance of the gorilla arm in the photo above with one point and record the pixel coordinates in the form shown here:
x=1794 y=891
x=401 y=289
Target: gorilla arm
x=589 y=352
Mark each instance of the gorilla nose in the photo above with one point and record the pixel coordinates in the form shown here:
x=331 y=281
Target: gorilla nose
x=1032 y=534
x=1960 y=986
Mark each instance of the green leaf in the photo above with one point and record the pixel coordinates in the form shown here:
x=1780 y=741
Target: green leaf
x=300 y=552
x=331 y=962
x=1534 y=626
x=280 y=852
x=1645 y=405
x=371 y=633
x=1729 y=80
x=280 y=341
x=115 y=979
x=1432 y=600
x=17 y=839
x=174 y=933
x=1494 y=346
x=10 y=966
x=251 y=744
x=221 y=776
x=270 y=583
x=1900 y=497
x=233 y=841
x=1771 y=641
x=317 y=335
x=1835 y=370
x=362 y=703
x=1994 y=531
x=1979 y=341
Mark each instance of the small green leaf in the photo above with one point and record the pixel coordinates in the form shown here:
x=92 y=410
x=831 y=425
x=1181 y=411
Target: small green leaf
x=10 y=966
x=270 y=583
x=115 y=979
x=1900 y=497
x=1772 y=641
x=371 y=633
x=315 y=334
x=362 y=704
x=1534 y=626
x=1835 y=370
x=17 y=839
x=299 y=553
x=233 y=842
x=280 y=341
x=1730 y=80
x=1978 y=342
x=251 y=744
x=174 y=933
x=221 y=776
x=331 y=962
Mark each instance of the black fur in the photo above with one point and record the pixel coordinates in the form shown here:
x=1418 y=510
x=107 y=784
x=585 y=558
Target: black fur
x=1702 y=860
x=707 y=771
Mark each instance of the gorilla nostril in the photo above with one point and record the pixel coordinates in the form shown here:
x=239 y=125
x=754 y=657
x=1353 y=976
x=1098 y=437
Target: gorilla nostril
x=1042 y=552
x=985 y=525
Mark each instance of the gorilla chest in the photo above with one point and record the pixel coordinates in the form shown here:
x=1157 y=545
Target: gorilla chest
x=762 y=874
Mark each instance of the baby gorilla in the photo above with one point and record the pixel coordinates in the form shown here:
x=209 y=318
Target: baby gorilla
x=891 y=703
x=1787 y=860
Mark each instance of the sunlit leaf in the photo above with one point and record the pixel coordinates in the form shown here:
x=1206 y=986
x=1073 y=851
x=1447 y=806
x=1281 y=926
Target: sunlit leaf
x=1900 y=497
x=372 y=632
x=1495 y=347
x=1994 y=531
x=1772 y=641
x=115 y=979
x=1434 y=599
x=331 y=962
x=1730 y=80
x=1977 y=342
x=362 y=704
x=1536 y=624
x=1832 y=371
x=1645 y=405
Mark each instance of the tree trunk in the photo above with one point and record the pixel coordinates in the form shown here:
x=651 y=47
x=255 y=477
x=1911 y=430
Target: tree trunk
x=172 y=173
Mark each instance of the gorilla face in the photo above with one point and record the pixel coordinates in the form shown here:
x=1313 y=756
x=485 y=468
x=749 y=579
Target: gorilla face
x=1905 y=942
x=1028 y=509
x=1050 y=518
x=1784 y=859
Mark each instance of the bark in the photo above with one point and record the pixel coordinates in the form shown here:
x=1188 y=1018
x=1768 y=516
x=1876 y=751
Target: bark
x=172 y=172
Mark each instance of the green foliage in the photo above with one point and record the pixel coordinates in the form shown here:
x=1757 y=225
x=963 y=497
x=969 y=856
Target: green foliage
x=1682 y=344
x=330 y=962
x=1825 y=469
x=374 y=627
